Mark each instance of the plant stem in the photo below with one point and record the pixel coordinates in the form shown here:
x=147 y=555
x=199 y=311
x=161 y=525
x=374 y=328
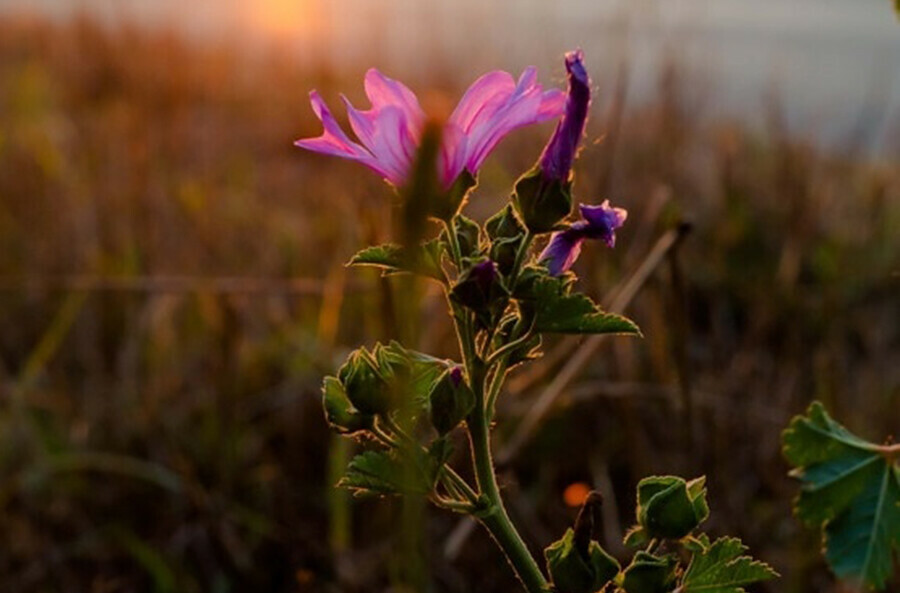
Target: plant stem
x=494 y=517
x=491 y=512
x=520 y=259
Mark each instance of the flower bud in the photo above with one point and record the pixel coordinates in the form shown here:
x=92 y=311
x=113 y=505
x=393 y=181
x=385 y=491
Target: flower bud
x=579 y=571
x=556 y=160
x=339 y=412
x=451 y=400
x=669 y=507
x=479 y=286
x=365 y=387
x=543 y=195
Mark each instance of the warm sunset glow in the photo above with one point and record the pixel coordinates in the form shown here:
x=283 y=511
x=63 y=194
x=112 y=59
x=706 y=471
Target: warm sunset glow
x=284 y=17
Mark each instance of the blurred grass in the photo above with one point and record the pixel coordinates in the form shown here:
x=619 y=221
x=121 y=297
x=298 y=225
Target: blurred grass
x=172 y=440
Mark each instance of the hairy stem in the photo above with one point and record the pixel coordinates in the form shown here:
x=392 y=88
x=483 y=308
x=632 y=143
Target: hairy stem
x=494 y=517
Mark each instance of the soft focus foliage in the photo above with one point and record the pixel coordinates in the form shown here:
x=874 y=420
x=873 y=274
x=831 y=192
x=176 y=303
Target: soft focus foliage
x=851 y=490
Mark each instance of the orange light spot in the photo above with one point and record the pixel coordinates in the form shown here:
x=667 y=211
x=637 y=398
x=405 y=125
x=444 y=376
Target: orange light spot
x=575 y=494
x=283 y=17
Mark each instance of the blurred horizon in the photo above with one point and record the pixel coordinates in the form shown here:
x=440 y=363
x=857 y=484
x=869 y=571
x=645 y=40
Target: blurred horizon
x=829 y=65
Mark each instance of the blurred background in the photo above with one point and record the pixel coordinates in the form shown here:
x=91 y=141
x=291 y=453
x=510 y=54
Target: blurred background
x=171 y=287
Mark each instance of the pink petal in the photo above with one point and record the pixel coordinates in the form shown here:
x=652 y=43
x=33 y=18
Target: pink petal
x=482 y=99
x=393 y=145
x=452 y=158
x=383 y=91
x=553 y=104
x=362 y=122
x=494 y=106
x=519 y=110
x=333 y=140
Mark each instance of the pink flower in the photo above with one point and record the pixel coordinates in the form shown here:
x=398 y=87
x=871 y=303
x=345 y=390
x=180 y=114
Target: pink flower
x=390 y=130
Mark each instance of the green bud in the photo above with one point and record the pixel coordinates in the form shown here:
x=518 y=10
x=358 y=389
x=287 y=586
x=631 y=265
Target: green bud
x=669 y=507
x=339 y=412
x=451 y=400
x=365 y=387
x=649 y=574
x=541 y=203
x=579 y=571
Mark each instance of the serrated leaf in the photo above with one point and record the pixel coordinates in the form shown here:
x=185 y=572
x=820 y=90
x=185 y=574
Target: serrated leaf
x=722 y=568
x=850 y=490
x=559 y=310
x=382 y=473
x=394 y=259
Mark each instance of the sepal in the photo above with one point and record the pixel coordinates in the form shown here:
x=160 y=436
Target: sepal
x=579 y=571
x=339 y=412
x=364 y=385
x=541 y=203
x=451 y=400
x=648 y=573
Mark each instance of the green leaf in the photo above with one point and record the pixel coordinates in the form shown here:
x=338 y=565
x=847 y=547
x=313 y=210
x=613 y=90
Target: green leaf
x=722 y=568
x=382 y=473
x=394 y=259
x=559 y=310
x=850 y=490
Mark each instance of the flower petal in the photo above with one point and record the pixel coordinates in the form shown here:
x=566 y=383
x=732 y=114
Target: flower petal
x=563 y=249
x=333 y=140
x=383 y=91
x=603 y=220
x=392 y=144
x=452 y=158
x=482 y=99
x=526 y=104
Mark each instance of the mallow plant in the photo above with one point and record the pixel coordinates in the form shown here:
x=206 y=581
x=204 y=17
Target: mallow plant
x=503 y=294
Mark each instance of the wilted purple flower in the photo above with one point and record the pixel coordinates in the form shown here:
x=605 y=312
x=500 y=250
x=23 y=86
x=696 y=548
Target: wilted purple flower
x=390 y=131
x=556 y=160
x=600 y=222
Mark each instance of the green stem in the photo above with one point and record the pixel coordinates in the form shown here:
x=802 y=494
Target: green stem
x=491 y=512
x=458 y=482
x=520 y=259
x=494 y=517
